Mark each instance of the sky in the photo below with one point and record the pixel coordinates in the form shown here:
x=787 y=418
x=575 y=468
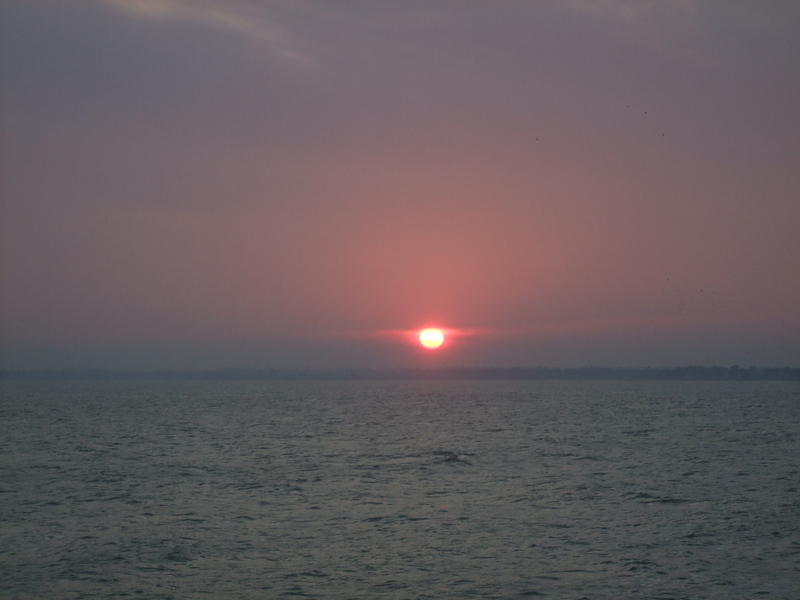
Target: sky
x=288 y=183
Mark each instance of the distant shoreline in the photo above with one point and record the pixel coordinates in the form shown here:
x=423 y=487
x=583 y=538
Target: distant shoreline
x=734 y=373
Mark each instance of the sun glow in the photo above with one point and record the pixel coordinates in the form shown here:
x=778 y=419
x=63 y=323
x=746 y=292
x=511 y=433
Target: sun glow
x=431 y=338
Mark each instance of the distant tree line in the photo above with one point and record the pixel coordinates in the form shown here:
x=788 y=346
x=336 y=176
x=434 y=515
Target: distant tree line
x=698 y=373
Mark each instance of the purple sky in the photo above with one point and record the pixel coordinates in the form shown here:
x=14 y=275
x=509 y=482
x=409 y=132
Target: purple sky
x=192 y=184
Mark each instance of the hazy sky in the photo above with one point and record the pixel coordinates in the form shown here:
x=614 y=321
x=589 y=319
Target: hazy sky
x=246 y=183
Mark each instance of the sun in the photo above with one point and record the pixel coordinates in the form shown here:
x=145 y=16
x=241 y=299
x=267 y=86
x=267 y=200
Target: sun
x=431 y=338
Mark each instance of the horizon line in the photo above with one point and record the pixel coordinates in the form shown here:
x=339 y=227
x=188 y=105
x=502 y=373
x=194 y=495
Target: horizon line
x=685 y=373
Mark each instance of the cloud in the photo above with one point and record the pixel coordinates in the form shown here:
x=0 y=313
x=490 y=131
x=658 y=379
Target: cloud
x=245 y=19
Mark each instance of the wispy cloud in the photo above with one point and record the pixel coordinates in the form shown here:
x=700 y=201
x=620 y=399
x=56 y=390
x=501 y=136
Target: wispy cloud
x=246 y=19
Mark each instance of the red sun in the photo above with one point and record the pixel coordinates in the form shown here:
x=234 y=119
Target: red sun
x=431 y=338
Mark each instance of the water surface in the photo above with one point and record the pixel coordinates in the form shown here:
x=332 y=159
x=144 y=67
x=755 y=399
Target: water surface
x=400 y=490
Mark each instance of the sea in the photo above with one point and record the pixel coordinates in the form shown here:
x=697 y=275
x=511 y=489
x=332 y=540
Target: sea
x=400 y=490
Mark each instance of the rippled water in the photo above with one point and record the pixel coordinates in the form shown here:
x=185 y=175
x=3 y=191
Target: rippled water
x=400 y=490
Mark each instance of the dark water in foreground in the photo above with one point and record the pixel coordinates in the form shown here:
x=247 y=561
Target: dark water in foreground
x=400 y=490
